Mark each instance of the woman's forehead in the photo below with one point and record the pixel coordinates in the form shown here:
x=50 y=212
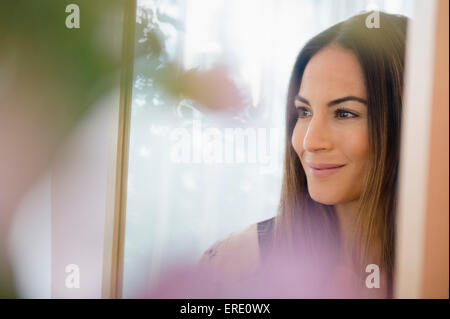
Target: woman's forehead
x=333 y=72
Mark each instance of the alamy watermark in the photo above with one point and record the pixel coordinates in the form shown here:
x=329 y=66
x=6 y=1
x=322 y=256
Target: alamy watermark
x=373 y=20
x=212 y=145
x=73 y=276
x=373 y=280
x=73 y=19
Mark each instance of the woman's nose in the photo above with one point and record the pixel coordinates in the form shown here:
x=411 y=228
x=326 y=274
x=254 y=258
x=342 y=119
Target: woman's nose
x=318 y=135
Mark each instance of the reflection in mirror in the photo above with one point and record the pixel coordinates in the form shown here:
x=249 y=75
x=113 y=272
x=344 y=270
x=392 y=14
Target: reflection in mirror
x=208 y=120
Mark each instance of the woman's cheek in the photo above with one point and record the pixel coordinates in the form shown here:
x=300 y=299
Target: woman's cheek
x=357 y=145
x=362 y=143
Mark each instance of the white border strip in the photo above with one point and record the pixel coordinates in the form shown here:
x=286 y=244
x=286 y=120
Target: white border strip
x=413 y=178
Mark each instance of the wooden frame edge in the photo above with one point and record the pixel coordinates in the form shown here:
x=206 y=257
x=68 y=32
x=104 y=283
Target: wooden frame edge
x=112 y=281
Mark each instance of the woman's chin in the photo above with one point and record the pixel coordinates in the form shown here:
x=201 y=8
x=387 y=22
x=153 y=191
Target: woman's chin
x=324 y=199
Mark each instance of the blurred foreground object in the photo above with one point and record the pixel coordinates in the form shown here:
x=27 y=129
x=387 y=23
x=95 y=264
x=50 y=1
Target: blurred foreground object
x=278 y=278
x=51 y=76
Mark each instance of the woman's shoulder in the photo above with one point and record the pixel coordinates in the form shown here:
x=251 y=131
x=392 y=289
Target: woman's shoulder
x=234 y=256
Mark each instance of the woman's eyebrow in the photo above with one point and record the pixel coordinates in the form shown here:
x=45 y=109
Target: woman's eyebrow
x=334 y=102
x=345 y=99
x=302 y=99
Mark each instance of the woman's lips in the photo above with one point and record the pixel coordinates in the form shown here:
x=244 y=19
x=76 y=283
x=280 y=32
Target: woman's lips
x=324 y=170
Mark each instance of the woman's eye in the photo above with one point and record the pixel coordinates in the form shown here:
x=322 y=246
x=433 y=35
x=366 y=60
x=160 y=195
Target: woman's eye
x=345 y=114
x=303 y=112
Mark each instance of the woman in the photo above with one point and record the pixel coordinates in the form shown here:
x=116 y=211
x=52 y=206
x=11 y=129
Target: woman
x=343 y=119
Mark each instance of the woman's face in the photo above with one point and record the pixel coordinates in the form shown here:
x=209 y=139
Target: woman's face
x=332 y=130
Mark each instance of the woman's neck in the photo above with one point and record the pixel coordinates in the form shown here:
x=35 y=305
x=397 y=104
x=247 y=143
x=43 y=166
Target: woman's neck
x=347 y=214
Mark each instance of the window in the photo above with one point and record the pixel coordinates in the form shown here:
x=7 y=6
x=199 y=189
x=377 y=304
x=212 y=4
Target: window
x=185 y=188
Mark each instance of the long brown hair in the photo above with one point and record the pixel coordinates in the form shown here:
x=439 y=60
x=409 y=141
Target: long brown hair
x=303 y=223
